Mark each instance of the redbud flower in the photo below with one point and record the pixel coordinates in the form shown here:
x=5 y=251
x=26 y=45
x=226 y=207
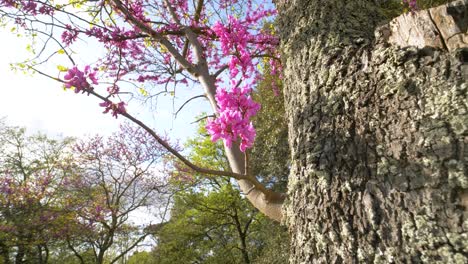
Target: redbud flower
x=69 y=35
x=79 y=79
x=115 y=109
x=236 y=107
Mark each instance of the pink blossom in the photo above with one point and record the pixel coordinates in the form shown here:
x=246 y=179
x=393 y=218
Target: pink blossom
x=114 y=108
x=69 y=35
x=79 y=79
x=412 y=4
x=236 y=107
x=133 y=41
x=30 y=7
x=46 y=10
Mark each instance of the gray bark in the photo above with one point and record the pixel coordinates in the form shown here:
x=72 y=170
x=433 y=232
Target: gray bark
x=378 y=137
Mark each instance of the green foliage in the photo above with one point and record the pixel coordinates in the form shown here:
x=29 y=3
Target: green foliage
x=31 y=199
x=53 y=207
x=203 y=225
x=267 y=158
x=141 y=258
x=61 y=254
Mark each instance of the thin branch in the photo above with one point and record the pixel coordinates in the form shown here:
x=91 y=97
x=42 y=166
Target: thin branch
x=198 y=10
x=202 y=118
x=46 y=75
x=173 y=12
x=259 y=186
x=129 y=248
x=217 y=73
x=75 y=252
x=186 y=102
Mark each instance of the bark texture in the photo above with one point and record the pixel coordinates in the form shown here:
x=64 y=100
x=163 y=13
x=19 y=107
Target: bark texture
x=378 y=137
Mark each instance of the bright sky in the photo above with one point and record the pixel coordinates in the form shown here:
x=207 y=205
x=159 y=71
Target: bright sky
x=40 y=104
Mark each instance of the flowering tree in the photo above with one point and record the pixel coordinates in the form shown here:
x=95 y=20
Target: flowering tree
x=218 y=45
x=33 y=212
x=117 y=178
x=55 y=194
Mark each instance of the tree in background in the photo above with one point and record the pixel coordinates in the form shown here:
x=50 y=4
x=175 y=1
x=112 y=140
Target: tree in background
x=212 y=223
x=142 y=257
x=33 y=173
x=118 y=177
x=72 y=202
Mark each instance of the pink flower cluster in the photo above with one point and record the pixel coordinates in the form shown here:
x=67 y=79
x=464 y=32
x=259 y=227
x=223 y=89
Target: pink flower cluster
x=136 y=8
x=29 y=6
x=79 y=79
x=69 y=35
x=412 y=4
x=114 y=108
x=134 y=52
x=236 y=107
x=234 y=40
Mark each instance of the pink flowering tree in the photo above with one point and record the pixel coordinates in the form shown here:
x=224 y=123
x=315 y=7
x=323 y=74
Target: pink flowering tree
x=118 y=176
x=154 y=47
x=34 y=216
x=80 y=194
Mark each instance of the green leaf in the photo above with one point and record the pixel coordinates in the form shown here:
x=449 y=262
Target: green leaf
x=143 y=91
x=62 y=68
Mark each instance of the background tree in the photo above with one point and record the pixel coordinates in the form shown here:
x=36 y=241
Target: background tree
x=212 y=223
x=33 y=173
x=118 y=177
x=69 y=202
x=142 y=257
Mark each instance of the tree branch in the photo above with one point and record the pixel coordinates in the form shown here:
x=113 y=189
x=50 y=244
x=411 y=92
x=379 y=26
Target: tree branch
x=129 y=248
x=156 y=36
x=186 y=102
x=75 y=252
x=259 y=186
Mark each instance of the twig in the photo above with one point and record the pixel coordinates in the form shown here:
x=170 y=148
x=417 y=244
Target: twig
x=186 y=102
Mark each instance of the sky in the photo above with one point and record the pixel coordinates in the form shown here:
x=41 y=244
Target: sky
x=40 y=104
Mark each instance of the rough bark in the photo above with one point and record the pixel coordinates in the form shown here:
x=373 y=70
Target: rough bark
x=378 y=136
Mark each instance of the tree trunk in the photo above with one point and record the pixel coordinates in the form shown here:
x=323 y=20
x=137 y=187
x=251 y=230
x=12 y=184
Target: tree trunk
x=378 y=137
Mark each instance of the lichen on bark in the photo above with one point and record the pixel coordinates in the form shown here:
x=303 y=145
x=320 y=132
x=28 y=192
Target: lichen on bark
x=378 y=137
